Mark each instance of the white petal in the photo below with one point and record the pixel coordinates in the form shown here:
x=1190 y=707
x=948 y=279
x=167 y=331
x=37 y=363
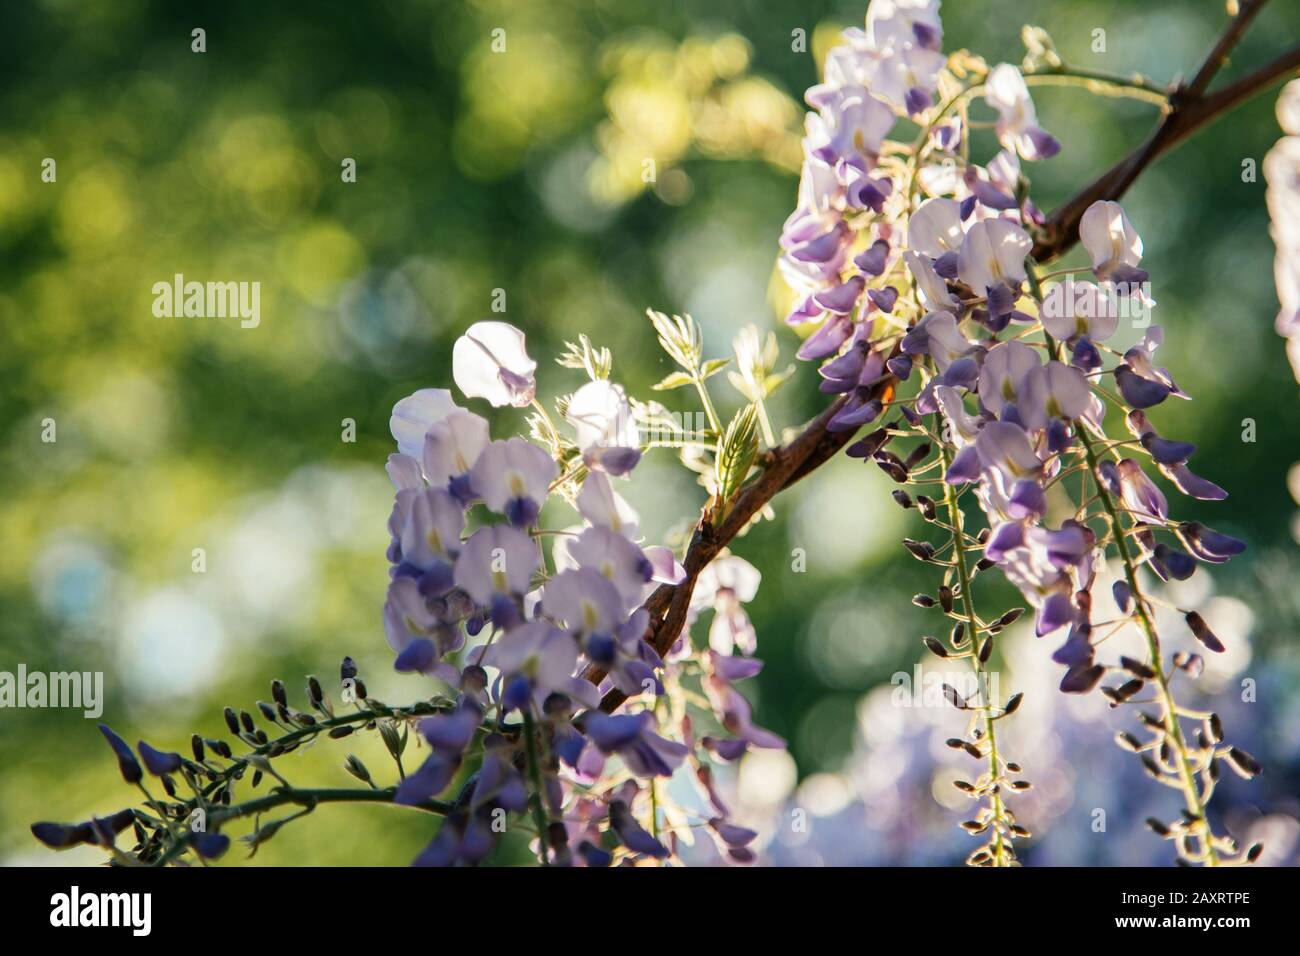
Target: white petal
x=1006 y=367
x=931 y=287
x=1006 y=92
x=404 y=472
x=513 y=468
x=993 y=252
x=600 y=504
x=489 y=362
x=453 y=445
x=600 y=414
x=1109 y=237
x=935 y=228
x=413 y=415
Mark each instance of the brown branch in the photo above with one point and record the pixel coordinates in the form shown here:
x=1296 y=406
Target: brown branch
x=1228 y=39
x=1191 y=108
x=669 y=604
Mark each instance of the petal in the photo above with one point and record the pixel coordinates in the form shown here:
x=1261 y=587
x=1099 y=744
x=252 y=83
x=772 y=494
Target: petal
x=413 y=415
x=489 y=362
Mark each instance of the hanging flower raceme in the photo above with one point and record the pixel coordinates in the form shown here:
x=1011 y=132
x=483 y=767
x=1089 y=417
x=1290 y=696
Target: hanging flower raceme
x=938 y=279
x=1019 y=388
x=473 y=603
x=830 y=249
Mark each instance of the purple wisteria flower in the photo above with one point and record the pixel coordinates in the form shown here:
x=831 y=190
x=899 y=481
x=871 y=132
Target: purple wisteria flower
x=632 y=737
x=514 y=477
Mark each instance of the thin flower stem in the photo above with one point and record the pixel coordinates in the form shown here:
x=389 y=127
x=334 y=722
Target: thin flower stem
x=709 y=410
x=769 y=438
x=1000 y=850
x=1169 y=707
x=1103 y=84
x=303 y=797
x=535 y=772
x=310 y=796
x=276 y=746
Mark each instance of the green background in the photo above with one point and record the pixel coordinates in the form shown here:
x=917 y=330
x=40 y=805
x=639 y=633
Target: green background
x=478 y=171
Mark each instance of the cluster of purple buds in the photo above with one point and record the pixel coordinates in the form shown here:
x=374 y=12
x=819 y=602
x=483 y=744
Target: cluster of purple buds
x=103 y=831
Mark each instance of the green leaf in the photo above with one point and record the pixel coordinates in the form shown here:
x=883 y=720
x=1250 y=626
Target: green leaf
x=737 y=452
x=741 y=384
x=680 y=337
x=713 y=366
x=597 y=362
x=777 y=379
x=673 y=380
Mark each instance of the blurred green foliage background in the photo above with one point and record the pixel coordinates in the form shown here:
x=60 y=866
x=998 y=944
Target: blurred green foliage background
x=478 y=170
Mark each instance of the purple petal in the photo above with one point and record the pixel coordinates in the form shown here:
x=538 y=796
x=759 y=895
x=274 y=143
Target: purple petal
x=884 y=298
x=962 y=373
x=126 y=762
x=1084 y=354
x=927 y=36
x=1139 y=392
x=827 y=340
x=988 y=194
x=1209 y=545
x=847 y=366
x=1166 y=451
x=416 y=657
x=1057 y=611
x=1179 y=564
x=947 y=265
x=872 y=261
x=916 y=100
x=1002 y=299
x=965 y=466
x=1193 y=484
x=900 y=366
x=433 y=777
x=1075 y=651
x=843 y=298
x=1005 y=537
x=158 y=762
x=1045 y=145
x=1081 y=679
x=1028 y=499
x=858 y=410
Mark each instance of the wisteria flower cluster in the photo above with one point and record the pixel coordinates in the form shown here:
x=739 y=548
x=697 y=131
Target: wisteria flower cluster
x=570 y=686
x=912 y=264
x=548 y=622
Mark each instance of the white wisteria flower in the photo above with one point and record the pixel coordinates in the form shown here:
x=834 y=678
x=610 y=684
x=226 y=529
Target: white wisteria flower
x=1017 y=125
x=1112 y=242
x=489 y=362
x=607 y=434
